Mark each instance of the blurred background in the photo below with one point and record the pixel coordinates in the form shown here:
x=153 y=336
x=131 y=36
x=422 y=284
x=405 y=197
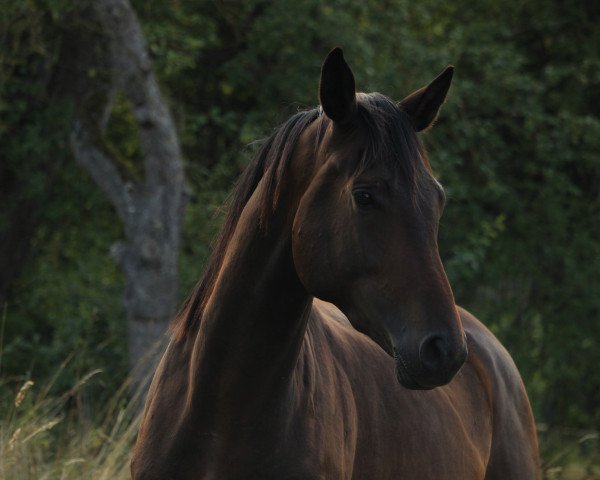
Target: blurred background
x=85 y=206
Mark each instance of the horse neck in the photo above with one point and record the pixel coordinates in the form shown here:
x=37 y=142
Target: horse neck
x=254 y=322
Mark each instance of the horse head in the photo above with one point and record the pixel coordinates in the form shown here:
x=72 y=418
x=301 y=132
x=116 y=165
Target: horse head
x=365 y=230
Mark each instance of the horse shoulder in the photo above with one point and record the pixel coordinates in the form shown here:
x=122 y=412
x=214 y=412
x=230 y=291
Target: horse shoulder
x=514 y=449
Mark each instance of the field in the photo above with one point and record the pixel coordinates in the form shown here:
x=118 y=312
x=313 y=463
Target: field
x=44 y=437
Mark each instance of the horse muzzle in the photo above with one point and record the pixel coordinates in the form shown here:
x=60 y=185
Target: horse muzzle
x=435 y=364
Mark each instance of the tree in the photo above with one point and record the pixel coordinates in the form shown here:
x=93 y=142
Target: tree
x=109 y=56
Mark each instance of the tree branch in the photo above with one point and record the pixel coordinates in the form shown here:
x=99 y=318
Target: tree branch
x=103 y=171
x=131 y=65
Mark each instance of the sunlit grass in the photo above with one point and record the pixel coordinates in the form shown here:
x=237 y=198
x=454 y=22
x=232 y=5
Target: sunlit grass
x=45 y=436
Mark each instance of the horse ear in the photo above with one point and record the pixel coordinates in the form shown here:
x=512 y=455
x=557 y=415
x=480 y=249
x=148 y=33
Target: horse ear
x=423 y=105
x=337 y=88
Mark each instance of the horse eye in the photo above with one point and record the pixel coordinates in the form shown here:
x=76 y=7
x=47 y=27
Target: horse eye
x=363 y=197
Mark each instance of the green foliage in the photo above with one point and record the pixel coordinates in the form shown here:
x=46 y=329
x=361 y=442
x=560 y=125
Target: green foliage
x=56 y=225
x=32 y=125
x=68 y=298
x=520 y=234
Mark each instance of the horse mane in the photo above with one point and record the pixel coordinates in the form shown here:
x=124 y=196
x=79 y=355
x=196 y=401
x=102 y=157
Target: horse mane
x=391 y=138
x=270 y=162
x=393 y=141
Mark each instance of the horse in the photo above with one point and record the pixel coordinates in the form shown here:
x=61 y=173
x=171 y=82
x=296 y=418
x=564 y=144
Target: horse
x=323 y=340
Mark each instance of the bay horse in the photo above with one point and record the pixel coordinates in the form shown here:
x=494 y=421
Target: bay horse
x=323 y=340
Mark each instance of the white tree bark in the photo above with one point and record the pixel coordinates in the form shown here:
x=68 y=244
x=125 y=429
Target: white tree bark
x=151 y=209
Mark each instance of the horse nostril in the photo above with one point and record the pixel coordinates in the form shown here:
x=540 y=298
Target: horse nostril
x=433 y=353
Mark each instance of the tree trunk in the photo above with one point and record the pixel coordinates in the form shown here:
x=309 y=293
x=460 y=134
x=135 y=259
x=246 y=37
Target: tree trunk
x=152 y=208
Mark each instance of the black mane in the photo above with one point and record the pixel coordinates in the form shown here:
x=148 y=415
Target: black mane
x=392 y=139
x=272 y=157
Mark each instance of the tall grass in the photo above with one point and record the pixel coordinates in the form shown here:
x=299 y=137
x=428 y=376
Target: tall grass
x=44 y=436
x=570 y=454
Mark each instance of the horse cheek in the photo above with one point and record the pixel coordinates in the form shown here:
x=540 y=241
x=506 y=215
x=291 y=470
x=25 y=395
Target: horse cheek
x=310 y=253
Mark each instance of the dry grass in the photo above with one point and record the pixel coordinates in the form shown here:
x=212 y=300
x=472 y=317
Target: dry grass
x=46 y=437
x=570 y=454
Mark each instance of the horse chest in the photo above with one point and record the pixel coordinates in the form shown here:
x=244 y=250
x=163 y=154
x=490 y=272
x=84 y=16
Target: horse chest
x=393 y=452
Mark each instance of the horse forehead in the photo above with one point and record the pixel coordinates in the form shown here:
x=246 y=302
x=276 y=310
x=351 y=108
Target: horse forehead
x=353 y=152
